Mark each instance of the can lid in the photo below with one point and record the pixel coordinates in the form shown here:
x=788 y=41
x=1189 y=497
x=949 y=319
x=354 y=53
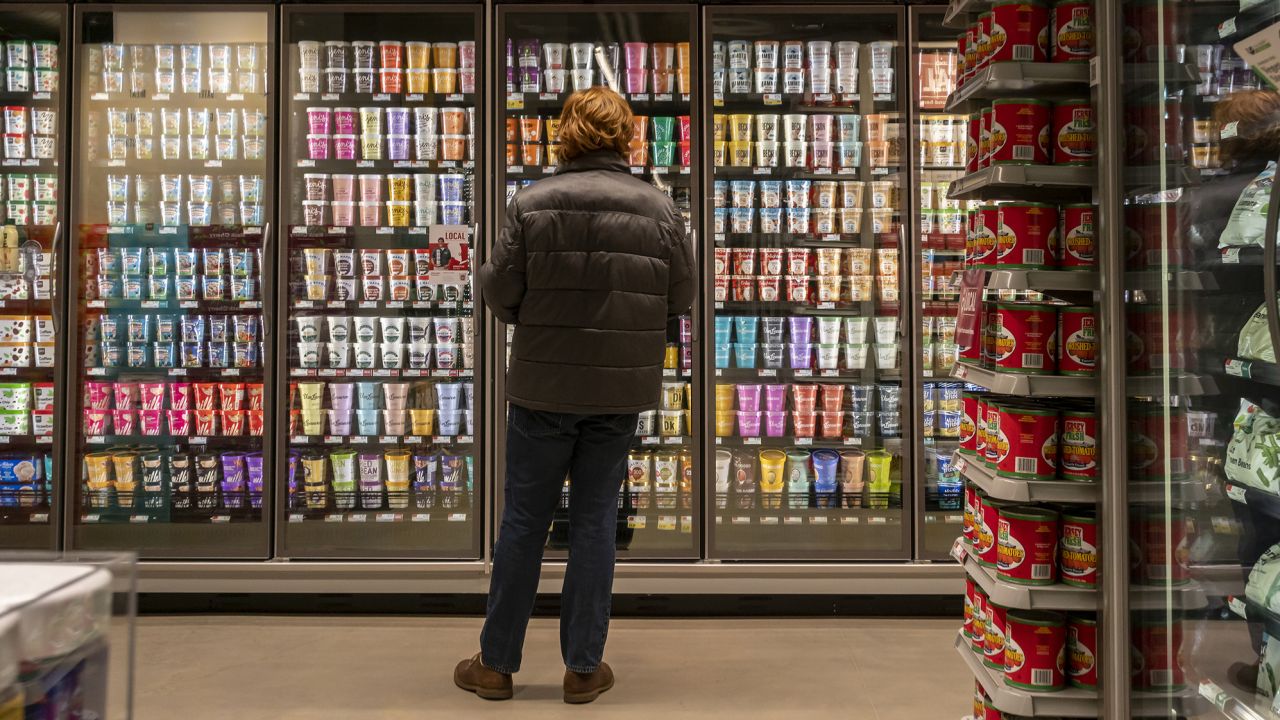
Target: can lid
x=1026 y=409
x=1084 y=515
x=1073 y=101
x=1091 y=206
x=1043 y=618
x=1077 y=308
x=1082 y=620
x=1025 y=306
x=1029 y=512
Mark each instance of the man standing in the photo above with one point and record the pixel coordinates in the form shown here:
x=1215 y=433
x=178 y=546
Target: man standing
x=590 y=265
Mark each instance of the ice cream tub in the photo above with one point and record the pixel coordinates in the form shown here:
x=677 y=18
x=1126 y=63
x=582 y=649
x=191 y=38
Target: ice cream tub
x=1027 y=235
x=1019 y=32
x=1077 y=241
x=1019 y=131
x=1077 y=341
x=1026 y=442
x=1027 y=542
x=1082 y=651
x=1078 y=445
x=1078 y=548
x=1024 y=340
x=1034 y=650
x=15 y=396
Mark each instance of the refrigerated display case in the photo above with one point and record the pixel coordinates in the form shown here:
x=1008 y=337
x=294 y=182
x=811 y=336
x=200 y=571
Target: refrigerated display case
x=379 y=453
x=808 y=176
x=172 y=274
x=33 y=183
x=647 y=53
x=939 y=139
x=1203 y=379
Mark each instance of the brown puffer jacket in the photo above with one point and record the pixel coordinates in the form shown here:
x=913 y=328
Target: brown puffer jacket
x=589 y=266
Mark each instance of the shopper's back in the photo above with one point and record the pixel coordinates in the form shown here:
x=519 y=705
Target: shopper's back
x=589 y=266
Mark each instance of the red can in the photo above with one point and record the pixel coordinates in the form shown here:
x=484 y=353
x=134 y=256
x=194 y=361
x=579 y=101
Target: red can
x=1024 y=341
x=980 y=429
x=962 y=72
x=993 y=637
x=988 y=523
x=1077 y=240
x=1157 y=646
x=1078 y=445
x=1027 y=235
x=1157 y=536
x=979 y=700
x=1028 y=545
x=1157 y=447
x=967 y=630
x=989 y=341
x=991 y=449
x=969 y=423
x=1077 y=341
x=1034 y=650
x=1078 y=549
x=977 y=643
x=1149 y=349
x=984 y=40
x=985 y=233
x=972 y=48
x=1027 y=444
x=1082 y=651
x=1074 y=135
x=970 y=513
x=1152 y=31
x=1019 y=131
x=1153 y=128
x=1019 y=32
x=972 y=142
x=989 y=711
x=1153 y=236
x=1072 y=31
x=984 y=138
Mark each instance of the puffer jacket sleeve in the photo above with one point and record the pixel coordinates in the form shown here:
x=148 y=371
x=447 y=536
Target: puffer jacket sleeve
x=681 y=283
x=502 y=278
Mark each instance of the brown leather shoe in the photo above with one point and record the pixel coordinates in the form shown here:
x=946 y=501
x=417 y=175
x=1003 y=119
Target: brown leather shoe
x=586 y=687
x=473 y=676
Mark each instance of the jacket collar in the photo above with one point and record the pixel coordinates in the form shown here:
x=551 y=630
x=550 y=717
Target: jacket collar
x=595 y=160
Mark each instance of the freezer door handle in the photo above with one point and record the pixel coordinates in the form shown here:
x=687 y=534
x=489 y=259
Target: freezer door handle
x=1269 y=270
x=53 y=250
x=268 y=312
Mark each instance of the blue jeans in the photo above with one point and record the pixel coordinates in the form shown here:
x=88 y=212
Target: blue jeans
x=542 y=448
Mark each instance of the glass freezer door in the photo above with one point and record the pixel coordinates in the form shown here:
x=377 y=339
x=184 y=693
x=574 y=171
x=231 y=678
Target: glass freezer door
x=379 y=455
x=647 y=55
x=32 y=215
x=938 y=159
x=809 y=225
x=172 y=268
x=1202 y=118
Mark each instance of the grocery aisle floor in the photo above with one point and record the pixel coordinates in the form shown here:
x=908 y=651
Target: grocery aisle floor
x=305 y=668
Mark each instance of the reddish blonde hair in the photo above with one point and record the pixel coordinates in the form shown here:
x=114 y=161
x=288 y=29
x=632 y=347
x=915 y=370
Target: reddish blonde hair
x=595 y=119
x=1257 y=117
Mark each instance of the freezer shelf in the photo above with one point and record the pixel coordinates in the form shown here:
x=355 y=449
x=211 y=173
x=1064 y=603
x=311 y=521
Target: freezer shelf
x=1041 y=280
x=1068 y=702
x=1016 y=182
x=1018 y=490
x=1016 y=79
x=1026 y=385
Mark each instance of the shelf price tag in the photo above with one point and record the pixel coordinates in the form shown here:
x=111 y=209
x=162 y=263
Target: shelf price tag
x=1237 y=493
x=1238 y=607
x=958 y=550
x=1227 y=27
x=1238 y=368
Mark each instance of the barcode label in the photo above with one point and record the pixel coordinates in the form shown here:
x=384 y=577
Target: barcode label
x=1024 y=465
x=1024 y=152
x=1042 y=677
x=1032 y=360
x=1023 y=53
x=1041 y=572
x=1033 y=256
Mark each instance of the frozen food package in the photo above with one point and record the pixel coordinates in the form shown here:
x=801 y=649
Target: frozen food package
x=1263 y=586
x=1248 y=220
x=1255 y=338
x=1253 y=455
x=1268 y=666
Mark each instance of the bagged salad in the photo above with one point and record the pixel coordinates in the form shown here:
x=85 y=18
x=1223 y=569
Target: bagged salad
x=1253 y=455
x=1248 y=221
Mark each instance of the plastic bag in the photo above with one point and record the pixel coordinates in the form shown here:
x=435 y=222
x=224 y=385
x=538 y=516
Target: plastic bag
x=1268 y=666
x=1248 y=221
x=1253 y=455
x=1263 y=586
x=1255 y=338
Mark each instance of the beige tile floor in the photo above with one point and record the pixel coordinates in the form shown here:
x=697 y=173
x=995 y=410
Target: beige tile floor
x=308 y=668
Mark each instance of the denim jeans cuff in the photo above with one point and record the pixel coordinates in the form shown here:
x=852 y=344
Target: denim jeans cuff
x=499 y=668
x=582 y=670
